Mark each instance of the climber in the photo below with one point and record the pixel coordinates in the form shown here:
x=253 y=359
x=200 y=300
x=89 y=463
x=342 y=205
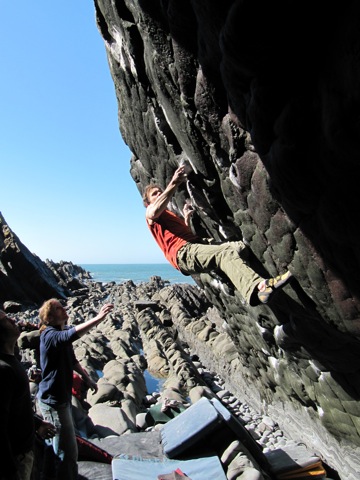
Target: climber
x=190 y=255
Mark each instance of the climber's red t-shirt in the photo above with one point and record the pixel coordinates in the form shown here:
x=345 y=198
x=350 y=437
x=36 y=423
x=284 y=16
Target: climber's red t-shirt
x=171 y=233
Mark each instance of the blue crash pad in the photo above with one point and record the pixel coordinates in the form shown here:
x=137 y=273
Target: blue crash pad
x=189 y=427
x=196 y=468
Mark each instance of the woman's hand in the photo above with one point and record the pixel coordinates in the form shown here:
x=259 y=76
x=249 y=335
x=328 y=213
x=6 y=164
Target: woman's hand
x=46 y=430
x=104 y=310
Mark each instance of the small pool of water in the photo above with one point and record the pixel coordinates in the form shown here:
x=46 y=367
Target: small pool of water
x=153 y=384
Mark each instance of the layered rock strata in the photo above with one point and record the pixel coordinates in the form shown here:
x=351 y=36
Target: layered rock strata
x=178 y=337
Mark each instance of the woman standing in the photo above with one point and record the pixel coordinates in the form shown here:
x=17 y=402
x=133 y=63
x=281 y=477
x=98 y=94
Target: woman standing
x=58 y=361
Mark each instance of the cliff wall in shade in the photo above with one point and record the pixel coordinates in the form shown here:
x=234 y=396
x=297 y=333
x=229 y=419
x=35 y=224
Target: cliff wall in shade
x=263 y=98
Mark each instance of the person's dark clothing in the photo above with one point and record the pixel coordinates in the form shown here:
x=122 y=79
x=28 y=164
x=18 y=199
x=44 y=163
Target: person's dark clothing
x=16 y=415
x=57 y=360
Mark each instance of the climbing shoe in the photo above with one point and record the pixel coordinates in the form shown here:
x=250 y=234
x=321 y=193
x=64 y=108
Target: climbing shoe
x=272 y=284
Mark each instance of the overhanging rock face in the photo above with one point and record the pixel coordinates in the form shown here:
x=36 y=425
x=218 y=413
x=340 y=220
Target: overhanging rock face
x=264 y=101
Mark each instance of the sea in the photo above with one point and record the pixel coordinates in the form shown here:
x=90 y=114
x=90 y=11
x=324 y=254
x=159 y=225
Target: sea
x=137 y=272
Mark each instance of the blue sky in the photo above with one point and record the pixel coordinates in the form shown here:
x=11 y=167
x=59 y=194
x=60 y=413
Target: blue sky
x=66 y=190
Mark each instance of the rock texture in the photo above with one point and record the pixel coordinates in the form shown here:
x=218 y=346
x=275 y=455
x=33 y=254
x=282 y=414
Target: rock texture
x=263 y=99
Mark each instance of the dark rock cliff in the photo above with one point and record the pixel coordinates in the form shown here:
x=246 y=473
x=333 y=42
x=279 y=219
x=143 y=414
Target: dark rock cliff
x=24 y=277
x=25 y=280
x=263 y=99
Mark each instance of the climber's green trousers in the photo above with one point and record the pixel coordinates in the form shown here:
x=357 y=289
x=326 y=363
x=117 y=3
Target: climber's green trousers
x=198 y=258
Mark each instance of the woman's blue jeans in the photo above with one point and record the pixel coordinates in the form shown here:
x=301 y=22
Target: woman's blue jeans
x=64 y=442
